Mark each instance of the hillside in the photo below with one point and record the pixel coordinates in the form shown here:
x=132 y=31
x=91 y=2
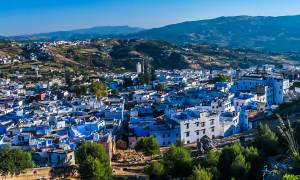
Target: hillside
x=276 y=34
x=265 y=33
x=80 y=34
x=122 y=55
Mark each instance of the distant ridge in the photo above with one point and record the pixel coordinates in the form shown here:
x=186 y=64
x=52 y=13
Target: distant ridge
x=275 y=34
x=259 y=32
x=80 y=34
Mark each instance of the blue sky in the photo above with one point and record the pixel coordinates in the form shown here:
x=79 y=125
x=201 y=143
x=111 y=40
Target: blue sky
x=34 y=16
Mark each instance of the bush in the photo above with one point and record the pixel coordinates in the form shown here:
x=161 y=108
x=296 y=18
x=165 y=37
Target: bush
x=148 y=145
x=222 y=78
x=266 y=141
x=155 y=170
x=239 y=168
x=99 y=89
x=290 y=177
x=14 y=161
x=210 y=162
x=177 y=161
x=239 y=162
x=93 y=161
x=200 y=174
x=297 y=131
x=295 y=164
x=159 y=87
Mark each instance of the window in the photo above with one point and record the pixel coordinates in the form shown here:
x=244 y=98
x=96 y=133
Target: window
x=176 y=134
x=197 y=132
x=187 y=125
x=188 y=142
x=202 y=124
x=169 y=142
x=187 y=134
x=211 y=121
x=163 y=135
x=198 y=140
x=164 y=143
x=213 y=129
x=169 y=135
x=203 y=131
x=197 y=124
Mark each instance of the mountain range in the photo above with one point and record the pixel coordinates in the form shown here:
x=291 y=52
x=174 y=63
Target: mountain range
x=79 y=34
x=275 y=34
x=260 y=32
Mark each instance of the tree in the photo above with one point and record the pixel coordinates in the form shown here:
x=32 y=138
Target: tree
x=222 y=78
x=144 y=78
x=295 y=164
x=14 y=161
x=200 y=174
x=99 y=89
x=228 y=155
x=242 y=162
x=290 y=177
x=153 y=75
x=159 y=87
x=68 y=79
x=155 y=170
x=148 y=145
x=297 y=131
x=179 y=143
x=255 y=160
x=177 y=161
x=239 y=167
x=115 y=92
x=127 y=82
x=210 y=162
x=79 y=90
x=266 y=140
x=93 y=161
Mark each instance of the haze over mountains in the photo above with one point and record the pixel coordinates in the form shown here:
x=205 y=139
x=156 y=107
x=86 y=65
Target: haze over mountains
x=276 y=34
x=80 y=34
x=267 y=33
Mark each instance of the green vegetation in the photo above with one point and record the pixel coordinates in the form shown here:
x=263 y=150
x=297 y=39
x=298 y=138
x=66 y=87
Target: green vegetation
x=99 y=89
x=177 y=161
x=234 y=161
x=297 y=131
x=210 y=162
x=239 y=162
x=115 y=92
x=295 y=84
x=147 y=77
x=291 y=177
x=93 y=161
x=148 y=145
x=295 y=164
x=14 y=161
x=266 y=140
x=155 y=170
x=159 y=87
x=222 y=78
x=289 y=108
x=200 y=174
